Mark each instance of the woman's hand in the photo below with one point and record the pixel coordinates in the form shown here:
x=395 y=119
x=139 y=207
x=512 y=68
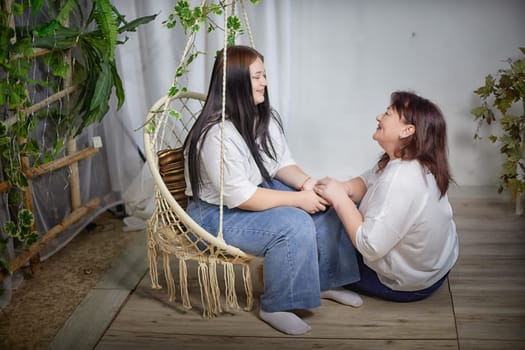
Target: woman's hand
x=338 y=193
x=333 y=191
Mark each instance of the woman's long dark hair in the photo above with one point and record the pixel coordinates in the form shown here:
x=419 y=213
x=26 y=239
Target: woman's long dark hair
x=249 y=119
x=428 y=144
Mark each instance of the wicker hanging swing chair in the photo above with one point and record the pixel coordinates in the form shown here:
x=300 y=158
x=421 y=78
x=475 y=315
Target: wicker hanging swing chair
x=170 y=230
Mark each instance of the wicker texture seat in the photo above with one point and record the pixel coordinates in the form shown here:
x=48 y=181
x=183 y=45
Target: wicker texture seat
x=171 y=232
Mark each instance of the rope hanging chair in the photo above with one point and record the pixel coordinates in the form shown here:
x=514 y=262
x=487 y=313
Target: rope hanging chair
x=170 y=230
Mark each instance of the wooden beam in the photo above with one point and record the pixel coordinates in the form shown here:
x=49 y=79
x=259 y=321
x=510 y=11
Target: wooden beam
x=60 y=163
x=5 y=186
x=52 y=166
x=35 y=248
x=49 y=100
x=74 y=175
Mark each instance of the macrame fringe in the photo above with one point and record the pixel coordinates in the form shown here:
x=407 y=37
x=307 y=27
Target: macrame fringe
x=152 y=259
x=229 y=280
x=247 y=277
x=169 y=277
x=204 y=284
x=183 y=280
x=215 y=292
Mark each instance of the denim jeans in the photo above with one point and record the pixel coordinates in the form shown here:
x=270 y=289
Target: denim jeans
x=303 y=253
x=369 y=284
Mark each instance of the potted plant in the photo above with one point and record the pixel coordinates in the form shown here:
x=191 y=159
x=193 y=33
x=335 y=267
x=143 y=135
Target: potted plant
x=503 y=102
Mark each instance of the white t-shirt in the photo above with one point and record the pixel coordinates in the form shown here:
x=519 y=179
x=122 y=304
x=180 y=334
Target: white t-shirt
x=241 y=174
x=408 y=235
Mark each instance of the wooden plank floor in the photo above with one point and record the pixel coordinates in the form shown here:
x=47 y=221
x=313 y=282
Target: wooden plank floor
x=481 y=307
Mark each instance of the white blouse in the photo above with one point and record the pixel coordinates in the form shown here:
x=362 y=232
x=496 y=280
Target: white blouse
x=241 y=174
x=408 y=235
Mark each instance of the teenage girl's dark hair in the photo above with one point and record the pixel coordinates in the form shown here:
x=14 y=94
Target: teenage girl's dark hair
x=428 y=144
x=249 y=119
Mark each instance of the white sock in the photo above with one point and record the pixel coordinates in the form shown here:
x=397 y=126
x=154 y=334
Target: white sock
x=343 y=296
x=286 y=322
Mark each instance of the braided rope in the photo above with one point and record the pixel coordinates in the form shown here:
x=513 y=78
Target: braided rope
x=247 y=22
x=223 y=117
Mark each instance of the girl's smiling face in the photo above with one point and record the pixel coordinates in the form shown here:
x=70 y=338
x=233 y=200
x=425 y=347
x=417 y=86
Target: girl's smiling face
x=258 y=79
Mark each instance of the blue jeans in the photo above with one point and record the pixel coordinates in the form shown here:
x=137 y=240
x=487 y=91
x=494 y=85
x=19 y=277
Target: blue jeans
x=303 y=253
x=369 y=284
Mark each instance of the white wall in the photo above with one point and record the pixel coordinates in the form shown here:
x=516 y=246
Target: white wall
x=348 y=56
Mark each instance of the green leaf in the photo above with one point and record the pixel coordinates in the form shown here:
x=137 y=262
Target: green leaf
x=233 y=23
x=107 y=24
x=31 y=238
x=59 y=145
x=26 y=218
x=103 y=87
x=150 y=127
x=10 y=229
x=173 y=91
x=30 y=148
x=55 y=60
x=174 y=114
x=47 y=156
x=65 y=10
x=59 y=38
x=132 y=26
x=480 y=112
x=17 y=9
x=47 y=29
x=36 y=6
x=3 y=128
x=117 y=83
x=487 y=89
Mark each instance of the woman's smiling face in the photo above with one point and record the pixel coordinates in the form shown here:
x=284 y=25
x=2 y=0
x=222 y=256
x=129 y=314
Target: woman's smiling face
x=391 y=128
x=258 y=79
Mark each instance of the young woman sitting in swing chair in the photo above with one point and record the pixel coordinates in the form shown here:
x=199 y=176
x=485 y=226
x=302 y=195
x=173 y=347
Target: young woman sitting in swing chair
x=270 y=208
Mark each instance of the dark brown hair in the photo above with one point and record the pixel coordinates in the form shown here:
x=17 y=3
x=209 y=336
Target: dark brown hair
x=428 y=144
x=249 y=119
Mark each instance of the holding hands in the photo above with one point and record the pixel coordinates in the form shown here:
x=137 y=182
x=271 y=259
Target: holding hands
x=311 y=202
x=333 y=191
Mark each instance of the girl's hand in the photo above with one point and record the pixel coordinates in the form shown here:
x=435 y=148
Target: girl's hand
x=309 y=184
x=310 y=202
